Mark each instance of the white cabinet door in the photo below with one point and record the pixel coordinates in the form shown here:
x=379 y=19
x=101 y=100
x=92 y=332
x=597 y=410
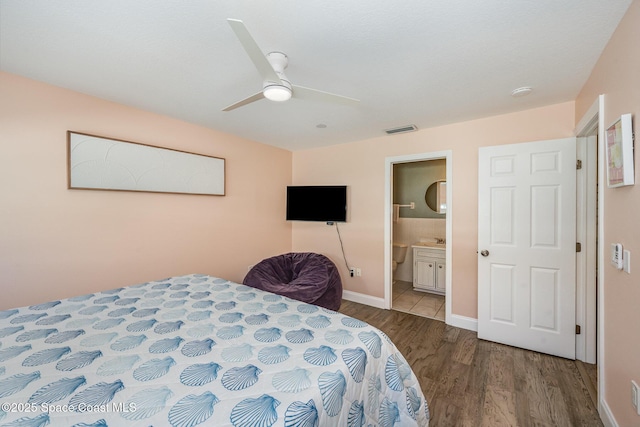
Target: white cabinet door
x=441 y=277
x=526 y=245
x=424 y=274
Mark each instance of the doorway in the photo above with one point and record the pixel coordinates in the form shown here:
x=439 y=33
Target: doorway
x=418 y=236
x=443 y=233
x=559 y=289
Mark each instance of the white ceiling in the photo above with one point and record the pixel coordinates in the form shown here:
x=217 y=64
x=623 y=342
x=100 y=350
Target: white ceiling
x=422 y=62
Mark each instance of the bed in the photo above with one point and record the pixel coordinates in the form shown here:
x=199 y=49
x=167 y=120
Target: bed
x=199 y=350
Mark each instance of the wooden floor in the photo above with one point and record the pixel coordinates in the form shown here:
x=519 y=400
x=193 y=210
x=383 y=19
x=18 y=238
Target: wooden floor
x=472 y=382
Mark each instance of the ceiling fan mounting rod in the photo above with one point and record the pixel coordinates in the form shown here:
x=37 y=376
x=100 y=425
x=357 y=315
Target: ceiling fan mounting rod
x=279 y=62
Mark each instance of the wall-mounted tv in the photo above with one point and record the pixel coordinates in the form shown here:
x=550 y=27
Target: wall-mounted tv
x=317 y=203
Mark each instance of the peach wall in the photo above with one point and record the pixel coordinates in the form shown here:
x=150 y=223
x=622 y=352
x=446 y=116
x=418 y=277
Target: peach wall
x=56 y=242
x=361 y=166
x=617 y=76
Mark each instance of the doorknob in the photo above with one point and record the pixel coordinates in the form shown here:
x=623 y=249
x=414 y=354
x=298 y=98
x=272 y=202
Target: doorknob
x=484 y=252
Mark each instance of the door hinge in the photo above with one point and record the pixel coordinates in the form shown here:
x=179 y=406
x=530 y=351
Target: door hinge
x=577 y=329
x=578 y=247
x=578 y=164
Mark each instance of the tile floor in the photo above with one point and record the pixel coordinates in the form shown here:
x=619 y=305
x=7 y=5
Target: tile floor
x=415 y=302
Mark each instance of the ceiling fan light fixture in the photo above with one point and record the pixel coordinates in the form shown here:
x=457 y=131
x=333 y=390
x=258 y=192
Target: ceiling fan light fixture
x=278 y=93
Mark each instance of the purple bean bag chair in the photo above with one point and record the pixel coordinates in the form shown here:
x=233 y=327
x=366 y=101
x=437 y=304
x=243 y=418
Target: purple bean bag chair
x=304 y=276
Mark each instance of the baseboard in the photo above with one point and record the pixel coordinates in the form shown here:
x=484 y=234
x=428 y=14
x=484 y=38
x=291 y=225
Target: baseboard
x=454 y=320
x=463 y=322
x=363 y=299
x=605 y=414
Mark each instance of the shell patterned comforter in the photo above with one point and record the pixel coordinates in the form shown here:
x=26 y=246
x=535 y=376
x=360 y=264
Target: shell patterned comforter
x=199 y=350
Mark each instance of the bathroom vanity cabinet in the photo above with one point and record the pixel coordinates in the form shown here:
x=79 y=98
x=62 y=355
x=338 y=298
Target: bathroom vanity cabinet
x=429 y=269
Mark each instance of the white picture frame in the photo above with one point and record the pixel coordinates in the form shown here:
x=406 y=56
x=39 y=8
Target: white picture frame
x=99 y=163
x=619 y=151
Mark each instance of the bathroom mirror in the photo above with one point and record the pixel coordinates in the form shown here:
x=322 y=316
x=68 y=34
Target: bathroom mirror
x=436 y=196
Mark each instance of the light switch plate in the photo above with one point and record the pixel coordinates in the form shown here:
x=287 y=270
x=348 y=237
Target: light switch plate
x=626 y=261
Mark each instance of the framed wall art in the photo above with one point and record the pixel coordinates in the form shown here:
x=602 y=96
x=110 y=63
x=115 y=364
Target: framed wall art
x=99 y=163
x=619 y=150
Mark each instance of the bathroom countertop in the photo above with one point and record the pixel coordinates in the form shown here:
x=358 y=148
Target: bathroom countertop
x=434 y=245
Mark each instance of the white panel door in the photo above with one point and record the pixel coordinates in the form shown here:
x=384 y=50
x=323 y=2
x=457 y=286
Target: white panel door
x=526 y=245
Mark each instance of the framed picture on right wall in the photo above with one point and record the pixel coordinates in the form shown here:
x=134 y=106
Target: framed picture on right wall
x=619 y=140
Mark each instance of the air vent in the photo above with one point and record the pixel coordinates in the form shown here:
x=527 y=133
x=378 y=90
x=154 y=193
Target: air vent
x=401 y=129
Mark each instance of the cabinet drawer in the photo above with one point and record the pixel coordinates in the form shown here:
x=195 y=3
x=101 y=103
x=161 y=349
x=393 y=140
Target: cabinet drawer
x=431 y=253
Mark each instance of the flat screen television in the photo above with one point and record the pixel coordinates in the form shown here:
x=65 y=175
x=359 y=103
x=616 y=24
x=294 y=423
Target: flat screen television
x=317 y=203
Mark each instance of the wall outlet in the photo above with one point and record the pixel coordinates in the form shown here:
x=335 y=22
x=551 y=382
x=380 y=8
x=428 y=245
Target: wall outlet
x=354 y=271
x=635 y=396
x=358 y=272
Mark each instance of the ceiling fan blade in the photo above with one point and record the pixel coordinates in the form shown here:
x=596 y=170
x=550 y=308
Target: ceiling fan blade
x=253 y=50
x=302 y=92
x=253 y=98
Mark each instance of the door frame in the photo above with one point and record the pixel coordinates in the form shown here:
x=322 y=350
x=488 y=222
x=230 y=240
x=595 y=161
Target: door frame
x=594 y=119
x=447 y=155
x=586 y=312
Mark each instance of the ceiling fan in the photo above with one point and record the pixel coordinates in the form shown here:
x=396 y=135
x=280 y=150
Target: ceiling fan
x=275 y=85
